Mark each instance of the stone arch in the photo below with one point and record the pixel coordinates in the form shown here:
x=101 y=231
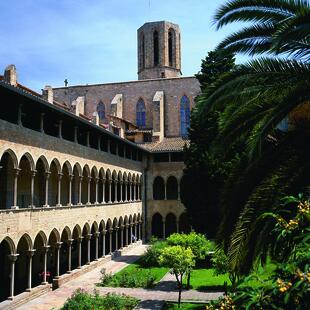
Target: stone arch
x=158 y=188
x=102 y=225
x=94 y=186
x=63 y=254
x=44 y=161
x=13 y=157
x=40 y=241
x=101 y=111
x=76 y=234
x=170 y=224
x=30 y=160
x=69 y=167
x=67 y=230
x=57 y=163
x=56 y=234
x=9 y=164
x=78 y=168
x=7 y=247
x=126 y=220
x=27 y=239
x=157 y=225
x=53 y=240
x=93 y=245
x=26 y=166
x=172 y=188
x=77 y=174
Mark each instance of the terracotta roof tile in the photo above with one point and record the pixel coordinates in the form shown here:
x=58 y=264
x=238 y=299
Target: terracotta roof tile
x=166 y=145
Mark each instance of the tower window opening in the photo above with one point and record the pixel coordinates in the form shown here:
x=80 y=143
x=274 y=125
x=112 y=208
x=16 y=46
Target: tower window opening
x=142 y=51
x=170 y=47
x=156 y=48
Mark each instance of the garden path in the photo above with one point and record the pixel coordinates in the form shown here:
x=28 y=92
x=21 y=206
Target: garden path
x=151 y=298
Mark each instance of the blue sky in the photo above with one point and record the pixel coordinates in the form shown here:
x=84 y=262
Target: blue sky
x=94 y=41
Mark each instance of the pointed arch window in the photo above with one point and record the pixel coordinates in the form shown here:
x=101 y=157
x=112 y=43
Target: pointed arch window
x=140 y=113
x=171 y=47
x=101 y=110
x=156 y=48
x=184 y=115
x=142 y=51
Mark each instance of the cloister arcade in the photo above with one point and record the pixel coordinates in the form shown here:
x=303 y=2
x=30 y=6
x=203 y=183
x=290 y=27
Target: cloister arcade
x=26 y=183
x=169 y=188
x=165 y=225
x=32 y=261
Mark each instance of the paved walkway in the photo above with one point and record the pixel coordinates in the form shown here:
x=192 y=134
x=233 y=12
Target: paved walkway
x=151 y=298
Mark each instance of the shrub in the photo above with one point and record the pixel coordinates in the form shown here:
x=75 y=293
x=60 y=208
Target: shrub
x=105 y=277
x=82 y=300
x=141 y=278
x=150 y=257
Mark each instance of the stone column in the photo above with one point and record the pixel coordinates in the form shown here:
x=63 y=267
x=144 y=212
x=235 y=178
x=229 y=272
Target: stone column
x=33 y=174
x=103 y=190
x=134 y=191
x=30 y=253
x=69 y=242
x=45 y=249
x=116 y=238
x=59 y=190
x=122 y=236
x=12 y=258
x=80 y=190
x=79 y=242
x=165 y=183
x=115 y=191
x=70 y=190
x=126 y=235
x=96 y=198
x=110 y=191
x=47 y=176
x=138 y=198
x=111 y=237
x=130 y=191
x=99 y=143
x=58 y=247
x=179 y=190
x=16 y=170
x=88 y=236
x=177 y=222
x=88 y=190
x=96 y=235
x=87 y=139
x=104 y=232
x=164 y=228
x=42 y=123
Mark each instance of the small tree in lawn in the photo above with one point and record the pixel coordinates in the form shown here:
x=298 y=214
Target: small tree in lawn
x=180 y=261
x=196 y=242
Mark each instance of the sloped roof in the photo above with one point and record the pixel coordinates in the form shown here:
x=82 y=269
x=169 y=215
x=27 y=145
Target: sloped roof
x=175 y=144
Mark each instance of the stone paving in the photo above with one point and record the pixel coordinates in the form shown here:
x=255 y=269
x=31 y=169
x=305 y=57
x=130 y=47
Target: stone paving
x=151 y=298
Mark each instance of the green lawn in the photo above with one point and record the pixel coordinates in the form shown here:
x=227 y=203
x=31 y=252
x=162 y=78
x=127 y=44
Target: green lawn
x=204 y=279
x=188 y=306
x=135 y=275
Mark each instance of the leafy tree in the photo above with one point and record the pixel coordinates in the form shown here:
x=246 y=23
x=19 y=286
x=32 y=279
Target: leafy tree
x=204 y=173
x=180 y=261
x=198 y=243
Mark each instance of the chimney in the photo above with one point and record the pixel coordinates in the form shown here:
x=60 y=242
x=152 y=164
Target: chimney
x=10 y=75
x=95 y=118
x=48 y=94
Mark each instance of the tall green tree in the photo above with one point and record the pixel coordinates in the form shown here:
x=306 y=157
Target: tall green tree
x=204 y=174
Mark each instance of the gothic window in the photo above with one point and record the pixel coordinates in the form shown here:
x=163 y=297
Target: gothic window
x=159 y=188
x=171 y=39
x=101 y=111
x=156 y=48
x=140 y=113
x=184 y=115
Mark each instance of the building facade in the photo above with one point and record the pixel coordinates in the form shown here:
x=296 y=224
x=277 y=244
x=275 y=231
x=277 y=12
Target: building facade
x=88 y=171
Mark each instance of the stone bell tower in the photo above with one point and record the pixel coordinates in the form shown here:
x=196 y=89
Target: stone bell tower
x=159 y=50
